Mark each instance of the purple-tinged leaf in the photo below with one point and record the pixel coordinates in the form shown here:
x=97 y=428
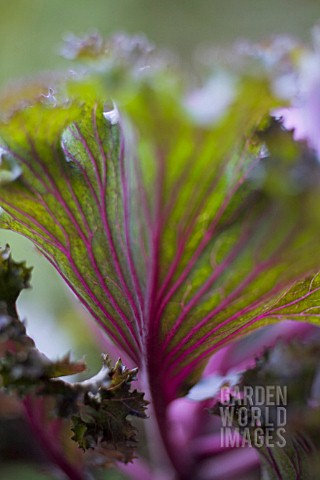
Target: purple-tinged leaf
x=177 y=235
x=287 y=443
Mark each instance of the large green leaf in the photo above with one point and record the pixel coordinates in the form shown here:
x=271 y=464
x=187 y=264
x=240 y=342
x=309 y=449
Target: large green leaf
x=179 y=235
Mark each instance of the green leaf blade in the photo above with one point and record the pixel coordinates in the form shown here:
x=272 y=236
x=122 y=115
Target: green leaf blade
x=177 y=235
x=52 y=207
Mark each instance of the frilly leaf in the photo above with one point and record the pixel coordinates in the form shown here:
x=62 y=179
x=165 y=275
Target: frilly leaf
x=99 y=406
x=102 y=419
x=14 y=277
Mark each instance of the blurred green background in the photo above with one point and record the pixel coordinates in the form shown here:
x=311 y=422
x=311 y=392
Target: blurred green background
x=31 y=32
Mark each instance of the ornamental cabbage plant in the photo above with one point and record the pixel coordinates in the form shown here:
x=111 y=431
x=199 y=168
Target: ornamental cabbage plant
x=184 y=217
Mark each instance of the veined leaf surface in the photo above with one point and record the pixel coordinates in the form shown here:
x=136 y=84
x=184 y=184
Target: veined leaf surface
x=177 y=236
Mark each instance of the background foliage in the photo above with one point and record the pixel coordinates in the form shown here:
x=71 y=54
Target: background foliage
x=31 y=29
